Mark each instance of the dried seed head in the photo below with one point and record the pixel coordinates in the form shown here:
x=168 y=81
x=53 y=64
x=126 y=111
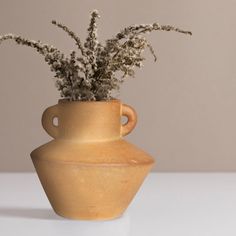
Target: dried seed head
x=94 y=73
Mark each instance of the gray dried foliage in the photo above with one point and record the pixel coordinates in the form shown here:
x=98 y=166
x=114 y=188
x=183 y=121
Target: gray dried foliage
x=90 y=73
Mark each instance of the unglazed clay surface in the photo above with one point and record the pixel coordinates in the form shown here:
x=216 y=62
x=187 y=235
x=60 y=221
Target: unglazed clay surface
x=88 y=171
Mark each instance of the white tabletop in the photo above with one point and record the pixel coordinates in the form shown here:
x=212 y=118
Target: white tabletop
x=168 y=204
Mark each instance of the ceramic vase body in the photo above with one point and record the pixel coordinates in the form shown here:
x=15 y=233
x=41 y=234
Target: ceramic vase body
x=88 y=171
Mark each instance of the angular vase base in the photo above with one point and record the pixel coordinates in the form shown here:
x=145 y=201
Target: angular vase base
x=89 y=218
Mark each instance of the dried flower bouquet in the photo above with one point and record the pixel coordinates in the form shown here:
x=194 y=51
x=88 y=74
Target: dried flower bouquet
x=90 y=74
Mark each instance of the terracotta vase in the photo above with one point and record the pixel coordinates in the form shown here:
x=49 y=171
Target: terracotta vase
x=88 y=171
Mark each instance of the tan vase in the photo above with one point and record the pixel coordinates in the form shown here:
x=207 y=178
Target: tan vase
x=88 y=171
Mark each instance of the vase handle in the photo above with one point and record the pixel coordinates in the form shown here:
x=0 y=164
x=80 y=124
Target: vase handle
x=47 y=121
x=130 y=113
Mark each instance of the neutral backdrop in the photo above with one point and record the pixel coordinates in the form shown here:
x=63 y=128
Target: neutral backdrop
x=186 y=102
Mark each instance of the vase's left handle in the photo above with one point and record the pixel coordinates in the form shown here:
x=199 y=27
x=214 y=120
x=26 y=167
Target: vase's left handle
x=47 y=121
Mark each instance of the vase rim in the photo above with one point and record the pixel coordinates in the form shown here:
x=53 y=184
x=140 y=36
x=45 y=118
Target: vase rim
x=64 y=100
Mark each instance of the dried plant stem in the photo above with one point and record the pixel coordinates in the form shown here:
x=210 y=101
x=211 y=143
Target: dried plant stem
x=152 y=51
x=133 y=30
x=72 y=35
x=92 y=42
x=41 y=48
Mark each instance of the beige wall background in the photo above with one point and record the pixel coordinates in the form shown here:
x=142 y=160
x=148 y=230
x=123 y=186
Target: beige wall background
x=186 y=102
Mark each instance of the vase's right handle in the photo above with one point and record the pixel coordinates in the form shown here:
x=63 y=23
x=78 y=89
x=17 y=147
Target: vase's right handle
x=47 y=121
x=130 y=113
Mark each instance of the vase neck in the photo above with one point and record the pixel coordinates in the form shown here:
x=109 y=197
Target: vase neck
x=89 y=121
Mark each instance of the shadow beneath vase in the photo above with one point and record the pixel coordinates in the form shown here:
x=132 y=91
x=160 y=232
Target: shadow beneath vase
x=116 y=227
x=29 y=213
